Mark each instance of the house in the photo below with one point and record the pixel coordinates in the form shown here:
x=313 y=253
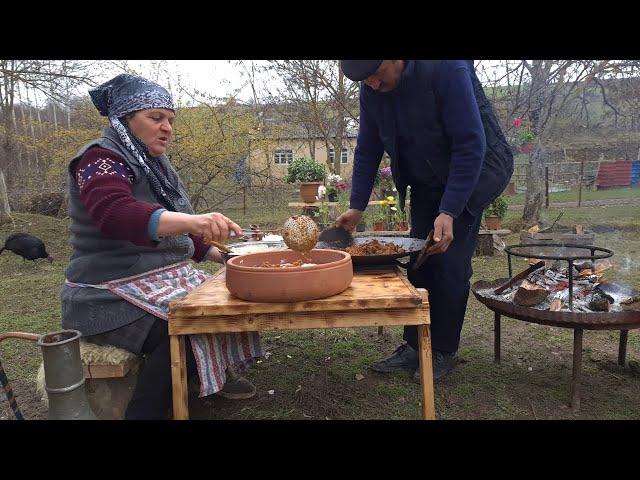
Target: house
x=288 y=139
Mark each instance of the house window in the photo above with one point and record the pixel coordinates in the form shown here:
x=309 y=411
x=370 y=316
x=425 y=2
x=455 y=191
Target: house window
x=344 y=156
x=283 y=156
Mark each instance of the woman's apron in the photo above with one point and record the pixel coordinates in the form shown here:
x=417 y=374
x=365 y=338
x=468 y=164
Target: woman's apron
x=152 y=291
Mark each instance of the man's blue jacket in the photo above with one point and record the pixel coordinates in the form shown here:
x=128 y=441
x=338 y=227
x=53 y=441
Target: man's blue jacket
x=431 y=127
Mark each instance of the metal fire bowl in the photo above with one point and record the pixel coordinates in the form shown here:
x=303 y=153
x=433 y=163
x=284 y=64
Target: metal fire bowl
x=627 y=319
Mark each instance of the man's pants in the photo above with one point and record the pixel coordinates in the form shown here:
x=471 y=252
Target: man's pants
x=446 y=275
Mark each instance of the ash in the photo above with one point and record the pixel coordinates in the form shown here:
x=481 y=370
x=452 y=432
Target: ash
x=590 y=293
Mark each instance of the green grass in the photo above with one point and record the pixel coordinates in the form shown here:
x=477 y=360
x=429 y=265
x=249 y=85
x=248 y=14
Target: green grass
x=327 y=375
x=572 y=195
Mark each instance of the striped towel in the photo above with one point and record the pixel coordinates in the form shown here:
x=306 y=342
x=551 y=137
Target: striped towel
x=152 y=291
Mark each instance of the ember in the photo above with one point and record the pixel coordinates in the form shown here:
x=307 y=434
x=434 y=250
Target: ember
x=548 y=289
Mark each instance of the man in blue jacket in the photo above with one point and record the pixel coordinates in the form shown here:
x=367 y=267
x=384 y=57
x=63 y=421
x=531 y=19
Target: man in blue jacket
x=425 y=115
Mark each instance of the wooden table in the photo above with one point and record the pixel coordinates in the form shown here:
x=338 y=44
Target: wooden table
x=375 y=298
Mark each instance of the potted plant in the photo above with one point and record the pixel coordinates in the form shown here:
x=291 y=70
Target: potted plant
x=399 y=220
x=322 y=216
x=380 y=215
x=309 y=173
x=335 y=184
x=526 y=139
x=495 y=212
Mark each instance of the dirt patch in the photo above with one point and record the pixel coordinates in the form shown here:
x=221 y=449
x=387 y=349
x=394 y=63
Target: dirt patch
x=28 y=403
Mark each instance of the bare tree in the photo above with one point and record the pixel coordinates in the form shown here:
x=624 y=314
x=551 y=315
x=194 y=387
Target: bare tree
x=317 y=97
x=48 y=78
x=540 y=90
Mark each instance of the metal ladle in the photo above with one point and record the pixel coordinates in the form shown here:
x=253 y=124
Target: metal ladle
x=300 y=233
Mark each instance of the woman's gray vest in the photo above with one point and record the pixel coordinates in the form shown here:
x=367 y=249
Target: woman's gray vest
x=96 y=258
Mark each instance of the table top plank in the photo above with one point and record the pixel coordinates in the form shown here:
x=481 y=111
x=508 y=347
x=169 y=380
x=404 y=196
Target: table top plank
x=370 y=290
x=300 y=320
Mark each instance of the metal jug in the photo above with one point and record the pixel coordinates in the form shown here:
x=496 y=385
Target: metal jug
x=64 y=377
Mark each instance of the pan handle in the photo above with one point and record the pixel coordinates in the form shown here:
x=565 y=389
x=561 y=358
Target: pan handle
x=402 y=264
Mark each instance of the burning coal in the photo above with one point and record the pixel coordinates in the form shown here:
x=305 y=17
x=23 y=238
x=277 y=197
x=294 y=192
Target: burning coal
x=547 y=288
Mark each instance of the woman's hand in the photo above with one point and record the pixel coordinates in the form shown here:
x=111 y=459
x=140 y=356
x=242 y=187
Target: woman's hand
x=214 y=255
x=210 y=226
x=214 y=226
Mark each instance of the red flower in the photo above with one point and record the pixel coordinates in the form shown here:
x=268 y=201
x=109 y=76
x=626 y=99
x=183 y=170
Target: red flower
x=517 y=122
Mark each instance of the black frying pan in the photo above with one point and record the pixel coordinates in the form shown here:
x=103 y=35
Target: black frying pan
x=411 y=246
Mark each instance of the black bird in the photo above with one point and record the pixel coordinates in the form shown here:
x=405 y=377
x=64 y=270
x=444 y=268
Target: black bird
x=27 y=246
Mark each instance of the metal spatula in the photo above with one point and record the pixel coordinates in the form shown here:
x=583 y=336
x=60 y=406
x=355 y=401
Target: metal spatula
x=423 y=255
x=336 y=237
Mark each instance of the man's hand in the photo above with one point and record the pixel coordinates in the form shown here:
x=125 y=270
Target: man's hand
x=349 y=219
x=442 y=234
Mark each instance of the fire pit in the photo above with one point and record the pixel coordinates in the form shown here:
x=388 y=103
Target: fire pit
x=567 y=297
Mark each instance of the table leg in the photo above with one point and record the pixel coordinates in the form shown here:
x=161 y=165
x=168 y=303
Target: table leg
x=426 y=373
x=496 y=337
x=179 y=378
x=577 y=369
x=380 y=331
x=622 y=350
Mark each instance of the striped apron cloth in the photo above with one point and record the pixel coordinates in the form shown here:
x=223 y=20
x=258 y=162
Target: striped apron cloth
x=152 y=291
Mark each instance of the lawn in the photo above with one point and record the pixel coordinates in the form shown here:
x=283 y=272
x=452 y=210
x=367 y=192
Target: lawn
x=587 y=195
x=323 y=374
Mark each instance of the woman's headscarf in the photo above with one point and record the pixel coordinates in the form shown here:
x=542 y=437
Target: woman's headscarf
x=126 y=94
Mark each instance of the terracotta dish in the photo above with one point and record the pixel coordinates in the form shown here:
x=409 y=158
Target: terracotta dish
x=331 y=274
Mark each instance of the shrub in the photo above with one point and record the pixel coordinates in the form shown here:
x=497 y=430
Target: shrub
x=305 y=170
x=497 y=208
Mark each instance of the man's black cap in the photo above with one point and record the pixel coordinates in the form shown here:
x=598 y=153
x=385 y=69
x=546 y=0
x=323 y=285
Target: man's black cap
x=358 y=70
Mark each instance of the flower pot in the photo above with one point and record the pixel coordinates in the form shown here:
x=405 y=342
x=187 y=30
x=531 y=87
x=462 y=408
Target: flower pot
x=402 y=226
x=309 y=191
x=378 y=226
x=493 y=222
x=527 y=147
x=333 y=197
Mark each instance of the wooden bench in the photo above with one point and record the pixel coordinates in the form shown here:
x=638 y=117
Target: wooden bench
x=110 y=377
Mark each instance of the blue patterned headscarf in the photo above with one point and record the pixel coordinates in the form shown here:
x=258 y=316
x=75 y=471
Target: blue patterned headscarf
x=126 y=94
x=129 y=93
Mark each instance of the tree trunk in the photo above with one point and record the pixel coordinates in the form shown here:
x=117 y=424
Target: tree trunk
x=5 y=208
x=33 y=134
x=535 y=187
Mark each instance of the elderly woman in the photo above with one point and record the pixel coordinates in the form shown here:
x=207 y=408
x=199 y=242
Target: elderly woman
x=133 y=230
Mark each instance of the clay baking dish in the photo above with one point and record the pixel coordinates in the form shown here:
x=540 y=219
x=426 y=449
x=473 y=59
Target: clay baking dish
x=245 y=278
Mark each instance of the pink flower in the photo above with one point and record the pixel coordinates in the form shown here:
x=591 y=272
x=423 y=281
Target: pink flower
x=385 y=172
x=517 y=122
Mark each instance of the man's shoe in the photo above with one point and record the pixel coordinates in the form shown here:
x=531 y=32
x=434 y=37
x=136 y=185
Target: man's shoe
x=443 y=363
x=403 y=358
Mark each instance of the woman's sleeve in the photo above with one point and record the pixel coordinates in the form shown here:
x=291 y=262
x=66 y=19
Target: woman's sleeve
x=105 y=180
